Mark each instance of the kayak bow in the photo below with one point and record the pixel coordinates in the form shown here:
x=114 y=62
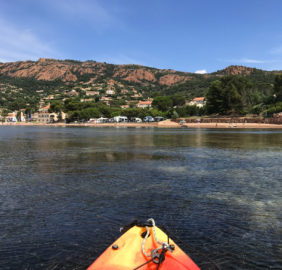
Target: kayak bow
x=144 y=247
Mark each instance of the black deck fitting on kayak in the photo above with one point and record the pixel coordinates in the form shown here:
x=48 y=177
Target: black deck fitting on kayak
x=114 y=246
x=144 y=234
x=135 y=223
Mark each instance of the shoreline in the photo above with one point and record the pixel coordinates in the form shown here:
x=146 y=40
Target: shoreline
x=163 y=124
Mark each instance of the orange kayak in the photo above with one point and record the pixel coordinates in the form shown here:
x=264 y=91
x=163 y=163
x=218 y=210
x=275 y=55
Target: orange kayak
x=143 y=247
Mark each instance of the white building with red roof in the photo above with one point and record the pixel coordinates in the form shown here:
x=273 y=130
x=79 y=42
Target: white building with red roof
x=144 y=104
x=198 y=101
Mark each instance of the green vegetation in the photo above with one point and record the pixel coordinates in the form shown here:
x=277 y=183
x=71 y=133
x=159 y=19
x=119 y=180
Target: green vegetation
x=223 y=96
x=196 y=86
x=234 y=95
x=162 y=103
x=255 y=91
x=273 y=104
x=278 y=88
x=20 y=93
x=165 y=106
x=56 y=106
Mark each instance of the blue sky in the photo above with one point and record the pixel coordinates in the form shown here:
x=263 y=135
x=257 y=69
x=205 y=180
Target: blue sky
x=185 y=35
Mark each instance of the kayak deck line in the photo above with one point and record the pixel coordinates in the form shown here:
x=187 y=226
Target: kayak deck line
x=143 y=246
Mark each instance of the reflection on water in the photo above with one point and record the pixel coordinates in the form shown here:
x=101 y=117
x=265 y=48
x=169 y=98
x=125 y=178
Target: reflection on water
x=64 y=193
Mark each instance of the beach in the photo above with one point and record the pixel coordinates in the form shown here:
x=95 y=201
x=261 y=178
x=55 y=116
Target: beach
x=163 y=124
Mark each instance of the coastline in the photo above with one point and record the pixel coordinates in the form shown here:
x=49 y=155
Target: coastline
x=163 y=124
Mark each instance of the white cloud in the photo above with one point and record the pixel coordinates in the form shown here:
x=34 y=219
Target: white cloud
x=21 y=44
x=250 y=61
x=201 y=71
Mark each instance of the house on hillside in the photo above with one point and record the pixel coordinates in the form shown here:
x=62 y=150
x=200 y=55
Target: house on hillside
x=106 y=100
x=110 y=92
x=198 y=101
x=136 y=96
x=124 y=91
x=144 y=104
x=72 y=93
x=50 y=97
x=87 y=99
x=91 y=93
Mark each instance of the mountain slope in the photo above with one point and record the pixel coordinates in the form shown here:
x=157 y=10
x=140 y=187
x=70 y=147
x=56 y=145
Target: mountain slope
x=30 y=82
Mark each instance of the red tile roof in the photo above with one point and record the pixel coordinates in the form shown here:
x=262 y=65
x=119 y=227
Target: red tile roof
x=199 y=99
x=144 y=102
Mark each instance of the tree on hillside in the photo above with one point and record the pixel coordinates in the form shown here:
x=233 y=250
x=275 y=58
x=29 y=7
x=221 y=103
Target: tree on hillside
x=215 y=98
x=29 y=111
x=17 y=104
x=162 y=103
x=72 y=105
x=88 y=113
x=117 y=102
x=131 y=112
x=155 y=112
x=248 y=91
x=18 y=116
x=56 y=107
x=231 y=94
x=278 y=87
x=4 y=113
x=178 y=100
x=105 y=110
x=233 y=99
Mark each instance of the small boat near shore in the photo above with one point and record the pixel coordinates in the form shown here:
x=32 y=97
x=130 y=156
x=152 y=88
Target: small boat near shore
x=143 y=246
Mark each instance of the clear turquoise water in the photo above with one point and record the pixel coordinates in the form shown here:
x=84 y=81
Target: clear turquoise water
x=65 y=192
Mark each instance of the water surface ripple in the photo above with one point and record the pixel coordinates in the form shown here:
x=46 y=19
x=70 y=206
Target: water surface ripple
x=64 y=193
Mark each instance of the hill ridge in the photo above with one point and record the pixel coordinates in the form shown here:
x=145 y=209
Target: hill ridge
x=36 y=82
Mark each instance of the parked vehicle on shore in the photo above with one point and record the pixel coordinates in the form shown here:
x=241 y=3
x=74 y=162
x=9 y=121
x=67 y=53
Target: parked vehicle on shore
x=102 y=120
x=159 y=118
x=111 y=120
x=119 y=119
x=136 y=119
x=148 y=119
x=97 y=120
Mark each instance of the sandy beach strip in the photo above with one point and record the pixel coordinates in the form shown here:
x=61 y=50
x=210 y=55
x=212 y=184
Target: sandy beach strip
x=163 y=124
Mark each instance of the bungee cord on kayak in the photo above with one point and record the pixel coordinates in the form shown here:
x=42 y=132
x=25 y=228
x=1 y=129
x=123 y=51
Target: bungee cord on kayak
x=163 y=245
x=157 y=257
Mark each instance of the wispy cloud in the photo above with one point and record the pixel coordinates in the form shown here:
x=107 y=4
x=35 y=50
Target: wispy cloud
x=201 y=71
x=21 y=44
x=248 y=61
x=93 y=12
